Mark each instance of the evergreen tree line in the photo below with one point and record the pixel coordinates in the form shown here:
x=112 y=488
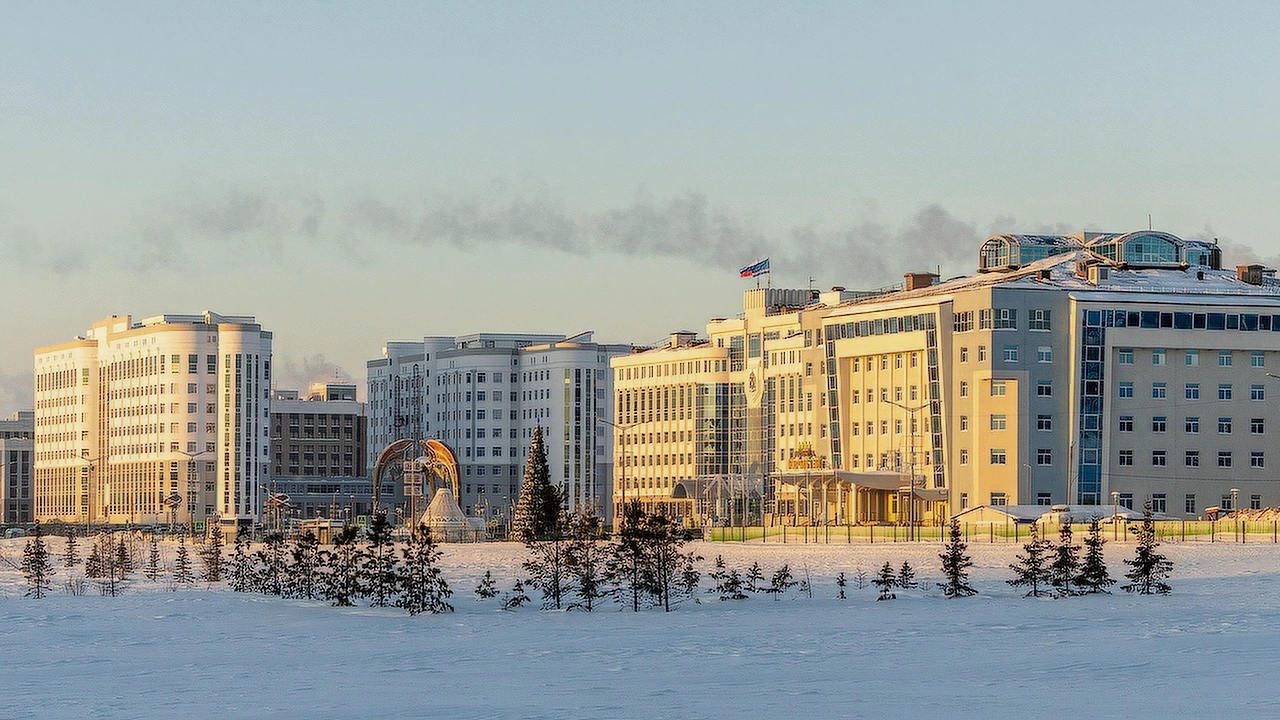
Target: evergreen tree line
x=374 y=569
x=1045 y=569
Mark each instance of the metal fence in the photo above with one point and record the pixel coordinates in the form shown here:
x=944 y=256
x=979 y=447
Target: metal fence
x=1166 y=531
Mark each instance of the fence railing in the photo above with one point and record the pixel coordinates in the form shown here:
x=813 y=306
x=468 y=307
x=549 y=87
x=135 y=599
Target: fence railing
x=1230 y=531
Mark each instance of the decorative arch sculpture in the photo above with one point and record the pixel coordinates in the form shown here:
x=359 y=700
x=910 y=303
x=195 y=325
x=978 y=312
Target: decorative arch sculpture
x=440 y=464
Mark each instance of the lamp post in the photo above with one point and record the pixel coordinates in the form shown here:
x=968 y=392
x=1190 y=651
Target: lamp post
x=1115 y=514
x=911 y=462
x=191 y=472
x=88 y=492
x=623 y=431
x=1235 y=492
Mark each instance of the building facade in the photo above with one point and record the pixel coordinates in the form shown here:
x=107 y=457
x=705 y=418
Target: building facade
x=319 y=452
x=1088 y=370
x=16 y=449
x=485 y=394
x=152 y=421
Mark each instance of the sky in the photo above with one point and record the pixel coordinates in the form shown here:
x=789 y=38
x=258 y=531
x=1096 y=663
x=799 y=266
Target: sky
x=357 y=172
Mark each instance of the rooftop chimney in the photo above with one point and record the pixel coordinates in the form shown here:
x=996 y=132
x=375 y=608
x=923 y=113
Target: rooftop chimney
x=682 y=338
x=915 y=281
x=1251 y=274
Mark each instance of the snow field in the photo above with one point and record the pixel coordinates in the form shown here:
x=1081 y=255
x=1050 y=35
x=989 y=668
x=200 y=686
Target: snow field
x=1208 y=650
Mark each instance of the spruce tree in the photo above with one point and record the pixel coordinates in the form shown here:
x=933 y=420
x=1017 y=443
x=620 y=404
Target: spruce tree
x=211 y=555
x=755 y=578
x=1093 y=576
x=517 y=597
x=1065 y=569
x=906 y=576
x=378 y=563
x=302 y=574
x=152 y=569
x=487 y=588
x=630 y=555
x=422 y=587
x=241 y=569
x=182 y=563
x=781 y=582
x=1148 y=568
x=666 y=560
x=539 y=510
x=341 y=584
x=71 y=557
x=690 y=578
x=1032 y=569
x=93 y=564
x=840 y=583
x=548 y=565
x=271 y=566
x=36 y=567
x=728 y=583
x=124 y=559
x=588 y=557
x=955 y=564
x=886 y=580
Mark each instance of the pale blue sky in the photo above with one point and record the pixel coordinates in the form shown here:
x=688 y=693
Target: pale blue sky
x=356 y=172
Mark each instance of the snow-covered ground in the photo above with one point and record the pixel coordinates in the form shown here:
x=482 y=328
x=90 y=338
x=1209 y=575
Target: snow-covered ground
x=1211 y=649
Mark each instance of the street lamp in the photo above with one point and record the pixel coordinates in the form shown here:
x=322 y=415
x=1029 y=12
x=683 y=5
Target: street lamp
x=88 y=493
x=911 y=460
x=191 y=472
x=1235 y=492
x=621 y=430
x=1115 y=514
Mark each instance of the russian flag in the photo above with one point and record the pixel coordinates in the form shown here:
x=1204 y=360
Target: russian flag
x=758 y=269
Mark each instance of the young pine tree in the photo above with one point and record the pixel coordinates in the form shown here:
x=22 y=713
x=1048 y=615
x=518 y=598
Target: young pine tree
x=955 y=564
x=487 y=588
x=755 y=578
x=422 y=587
x=241 y=570
x=728 y=582
x=1032 y=569
x=124 y=559
x=71 y=556
x=667 y=561
x=588 y=560
x=517 y=597
x=302 y=576
x=152 y=569
x=840 y=583
x=548 y=565
x=1093 y=576
x=1148 y=568
x=36 y=567
x=630 y=556
x=211 y=555
x=781 y=582
x=1065 y=568
x=270 y=563
x=906 y=576
x=378 y=572
x=341 y=585
x=886 y=580
x=93 y=565
x=538 y=511
x=182 y=564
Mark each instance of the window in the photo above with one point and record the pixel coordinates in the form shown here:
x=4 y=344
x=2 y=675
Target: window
x=1192 y=358
x=1255 y=502
x=998 y=498
x=1126 y=423
x=964 y=354
x=964 y=457
x=1044 y=423
x=1125 y=459
x=1126 y=356
x=1192 y=425
x=1257 y=359
x=1005 y=318
x=1038 y=319
x=1224 y=358
x=964 y=389
x=1159 y=391
x=1257 y=393
x=1255 y=459
x=998 y=456
x=1044 y=498
x=982 y=353
x=1192 y=391
x=1158 y=458
x=1159 y=503
x=1044 y=456
x=1191 y=458
x=997 y=388
x=1224 y=458
x=1125 y=500
x=1159 y=423
x=1011 y=353
x=964 y=423
x=1126 y=389
x=1224 y=391
x=1191 y=504
x=1256 y=426
x=1044 y=388
x=1224 y=426
x=1158 y=356
x=998 y=422
x=1044 y=354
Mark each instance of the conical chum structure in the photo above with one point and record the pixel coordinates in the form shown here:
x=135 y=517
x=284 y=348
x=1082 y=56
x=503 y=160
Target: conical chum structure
x=444 y=517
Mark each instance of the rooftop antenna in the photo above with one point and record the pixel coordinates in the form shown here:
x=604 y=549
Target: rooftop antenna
x=1149 y=226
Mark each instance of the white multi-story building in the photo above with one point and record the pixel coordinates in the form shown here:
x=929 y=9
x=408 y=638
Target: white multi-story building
x=141 y=422
x=485 y=394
